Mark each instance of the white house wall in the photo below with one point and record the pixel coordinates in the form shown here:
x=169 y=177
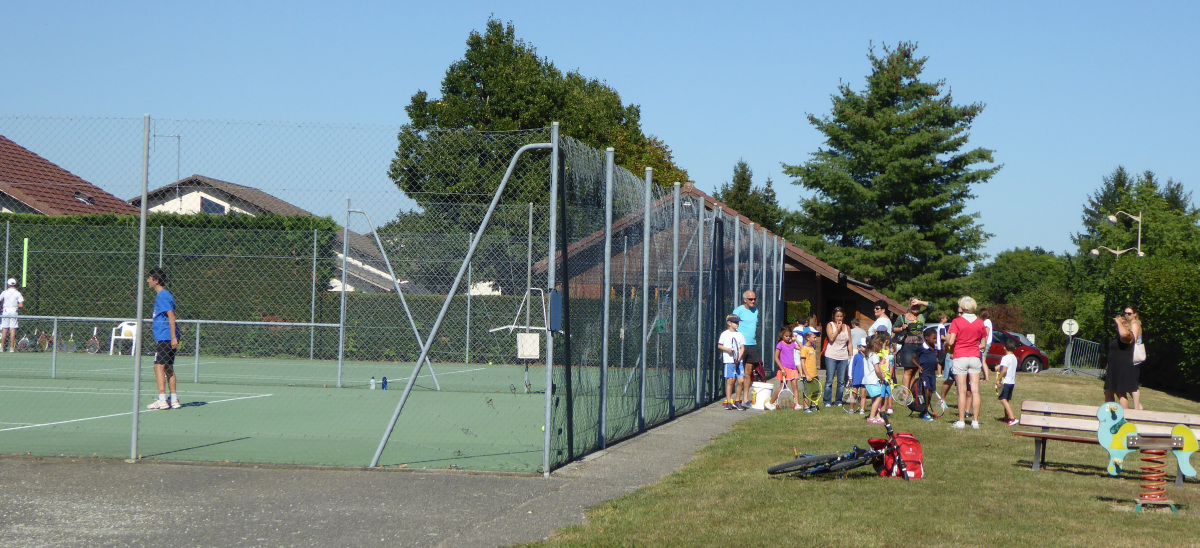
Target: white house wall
x=187 y=202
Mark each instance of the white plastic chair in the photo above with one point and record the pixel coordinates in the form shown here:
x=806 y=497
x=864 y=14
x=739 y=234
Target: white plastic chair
x=122 y=332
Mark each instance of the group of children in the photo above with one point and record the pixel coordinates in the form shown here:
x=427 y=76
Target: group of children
x=870 y=372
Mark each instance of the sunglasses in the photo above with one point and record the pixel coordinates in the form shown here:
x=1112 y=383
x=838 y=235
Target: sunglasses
x=1127 y=313
x=879 y=308
x=751 y=299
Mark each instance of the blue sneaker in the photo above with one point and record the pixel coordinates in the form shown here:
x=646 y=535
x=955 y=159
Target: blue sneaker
x=808 y=410
x=927 y=417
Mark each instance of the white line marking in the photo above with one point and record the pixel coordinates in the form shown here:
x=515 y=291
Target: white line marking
x=120 y=414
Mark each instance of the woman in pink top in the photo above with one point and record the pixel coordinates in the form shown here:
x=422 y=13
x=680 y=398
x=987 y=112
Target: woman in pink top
x=837 y=356
x=968 y=339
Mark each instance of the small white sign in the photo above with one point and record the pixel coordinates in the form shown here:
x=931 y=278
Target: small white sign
x=1070 y=327
x=528 y=347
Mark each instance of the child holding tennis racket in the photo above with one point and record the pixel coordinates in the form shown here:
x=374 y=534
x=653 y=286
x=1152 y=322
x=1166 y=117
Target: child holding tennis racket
x=732 y=345
x=873 y=378
x=809 y=356
x=785 y=361
x=858 y=372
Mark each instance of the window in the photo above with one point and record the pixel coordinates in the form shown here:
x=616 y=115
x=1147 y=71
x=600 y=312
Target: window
x=210 y=207
x=85 y=198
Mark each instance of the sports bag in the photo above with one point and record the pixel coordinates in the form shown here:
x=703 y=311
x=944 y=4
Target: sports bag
x=909 y=449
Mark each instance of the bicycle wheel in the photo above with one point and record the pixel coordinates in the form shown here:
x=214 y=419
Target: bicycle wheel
x=92 y=347
x=848 y=465
x=901 y=394
x=802 y=464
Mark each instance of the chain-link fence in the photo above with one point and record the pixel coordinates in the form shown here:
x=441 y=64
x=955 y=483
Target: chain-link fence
x=311 y=265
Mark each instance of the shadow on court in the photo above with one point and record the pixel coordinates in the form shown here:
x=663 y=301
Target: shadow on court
x=108 y=502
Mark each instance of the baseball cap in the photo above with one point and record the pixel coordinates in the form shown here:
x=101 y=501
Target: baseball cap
x=733 y=318
x=12 y=281
x=882 y=329
x=862 y=341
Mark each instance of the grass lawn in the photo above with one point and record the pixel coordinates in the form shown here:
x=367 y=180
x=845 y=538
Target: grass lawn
x=978 y=487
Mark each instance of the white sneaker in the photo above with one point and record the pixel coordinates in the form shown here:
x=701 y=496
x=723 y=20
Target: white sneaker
x=175 y=404
x=959 y=425
x=770 y=406
x=827 y=405
x=159 y=404
x=975 y=425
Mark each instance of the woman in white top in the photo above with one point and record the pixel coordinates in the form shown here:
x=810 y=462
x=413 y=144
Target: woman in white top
x=837 y=356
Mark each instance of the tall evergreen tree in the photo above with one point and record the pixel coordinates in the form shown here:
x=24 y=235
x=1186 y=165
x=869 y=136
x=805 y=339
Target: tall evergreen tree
x=758 y=204
x=891 y=183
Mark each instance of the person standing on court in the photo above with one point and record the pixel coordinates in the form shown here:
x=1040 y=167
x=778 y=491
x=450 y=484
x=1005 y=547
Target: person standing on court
x=837 y=357
x=166 y=340
x=748 y=327
x=11 y=300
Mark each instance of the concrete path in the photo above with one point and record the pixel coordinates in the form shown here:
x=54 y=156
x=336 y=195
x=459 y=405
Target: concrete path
x=89 y=502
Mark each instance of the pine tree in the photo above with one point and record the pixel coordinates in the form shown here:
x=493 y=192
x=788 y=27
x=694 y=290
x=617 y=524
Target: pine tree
x=892 y=181
x=758 y=204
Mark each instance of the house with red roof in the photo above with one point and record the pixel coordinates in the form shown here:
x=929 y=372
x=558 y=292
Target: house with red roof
x=32 y=184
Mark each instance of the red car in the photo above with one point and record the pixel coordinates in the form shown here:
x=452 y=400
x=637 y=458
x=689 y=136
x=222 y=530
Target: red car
x=1029 y=357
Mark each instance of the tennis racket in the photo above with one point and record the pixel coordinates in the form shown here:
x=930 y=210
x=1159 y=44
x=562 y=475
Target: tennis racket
x=786 y=399
x=69 y=346
x=93 y=345
x=43 y=342
x=901 y=394
x=23 y=344
x=850 y=400
x=812 y=394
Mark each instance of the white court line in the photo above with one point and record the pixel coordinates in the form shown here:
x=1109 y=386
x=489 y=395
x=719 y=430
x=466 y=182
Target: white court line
x=102 y=391
x=120 y=414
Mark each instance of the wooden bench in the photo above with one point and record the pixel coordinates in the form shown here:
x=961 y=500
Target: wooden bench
x=1080 y=424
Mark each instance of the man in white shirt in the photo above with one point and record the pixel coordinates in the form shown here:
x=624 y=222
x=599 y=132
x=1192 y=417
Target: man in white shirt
x=11 y=300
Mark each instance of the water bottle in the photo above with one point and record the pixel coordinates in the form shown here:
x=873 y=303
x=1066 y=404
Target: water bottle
x=385 y=383
x=372 y=383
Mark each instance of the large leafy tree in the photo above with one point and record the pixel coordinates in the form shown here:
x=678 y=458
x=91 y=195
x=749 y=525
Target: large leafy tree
x=892 y=180
x=759 y=204
x=501 y=84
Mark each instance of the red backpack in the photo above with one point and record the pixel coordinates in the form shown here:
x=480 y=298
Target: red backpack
x=909 y=449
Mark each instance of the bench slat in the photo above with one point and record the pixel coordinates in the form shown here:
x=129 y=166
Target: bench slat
x=1062 y=423
x=1192 y=420
x=1059 y=437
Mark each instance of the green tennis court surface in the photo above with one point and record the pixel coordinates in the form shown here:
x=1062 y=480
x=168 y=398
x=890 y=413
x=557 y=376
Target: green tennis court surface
x=274 y=411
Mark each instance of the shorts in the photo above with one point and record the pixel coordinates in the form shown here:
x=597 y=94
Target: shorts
x=732 y=370
x=963 y=366
x=904 y=358
x=8 y=322
x=164 y=354
x=874 y=390
x=750 y=354
x=786 y=375
x=1006 y=392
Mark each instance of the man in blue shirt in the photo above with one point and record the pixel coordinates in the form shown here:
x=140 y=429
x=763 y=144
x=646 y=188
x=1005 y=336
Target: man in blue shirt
x=166 y=337
x=751 y=357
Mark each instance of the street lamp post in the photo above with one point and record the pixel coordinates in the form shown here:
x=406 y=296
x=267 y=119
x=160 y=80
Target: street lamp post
x=1112 y=220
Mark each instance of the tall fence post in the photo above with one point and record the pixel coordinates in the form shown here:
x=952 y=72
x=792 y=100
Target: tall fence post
x=467 y=352
x=750 y=259
x=699 y=299
x=549 y=424
x=609 y=167
x=54 y=349
x=645 y=296
x=765 y=320
x=196 y=364
x=312 y=306
x=737 y=258
x=161 y=237
x=7 y=228
x=342 y=306
x=141 y=289
x=674 y=293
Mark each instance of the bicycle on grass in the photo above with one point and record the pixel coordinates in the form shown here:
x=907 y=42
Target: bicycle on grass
x=839 y=465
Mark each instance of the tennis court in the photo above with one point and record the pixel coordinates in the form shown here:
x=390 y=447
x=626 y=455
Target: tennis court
x=275 y=411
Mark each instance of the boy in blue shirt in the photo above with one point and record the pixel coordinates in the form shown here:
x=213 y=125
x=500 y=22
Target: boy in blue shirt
x=166 y=337
x=926 y=360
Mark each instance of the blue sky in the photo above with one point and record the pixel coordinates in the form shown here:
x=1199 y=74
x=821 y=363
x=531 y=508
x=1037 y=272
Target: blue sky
x=1072 y=89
